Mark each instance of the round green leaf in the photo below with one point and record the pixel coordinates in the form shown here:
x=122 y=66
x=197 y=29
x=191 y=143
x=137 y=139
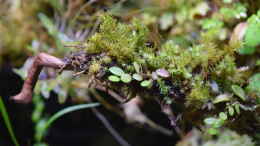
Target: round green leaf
x=113 y=78
x=126 y=78
x=223 y=116
x=239 y=92
x=146 y=83
x=116 y=71
x=210 y=121
x=137 y=77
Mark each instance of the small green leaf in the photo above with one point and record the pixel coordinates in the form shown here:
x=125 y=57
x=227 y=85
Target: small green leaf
x=251 y=36
x=48 y=24
x=231 y=111
x=223 y=116
x=126 y=78
x=254 y=83
x=239 y=92
x=69 y=110
x=237 y=108
x=137 y=77
x=210 y=121
x=7 y=122
x=146 y=83
x=114 y=78
x=222 y=98
x=116 y=71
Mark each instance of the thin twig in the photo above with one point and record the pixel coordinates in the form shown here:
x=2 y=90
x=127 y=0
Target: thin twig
x=166 y=109
x=109 y=127
x=104 y=102
x=110 y=92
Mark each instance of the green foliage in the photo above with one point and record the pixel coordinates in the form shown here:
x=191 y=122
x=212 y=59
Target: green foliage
x=199 y=93
x=137 y=77
x=237 y=11
x=68 y=110
x=126 y=78
x=251 y=35
x=116 y=71
x=164 y=89
x=42 y=123
x=254 y=85
x=225 y=137
x=212 y=23
x=114 y=78
x=146 y=83
x=53 y=31
x=230 y=138
x=7 y=122
x=222 y=98
x=214 y=124
x=119 y=40
x=223 y=116
x=186 y=39
x=239 y=92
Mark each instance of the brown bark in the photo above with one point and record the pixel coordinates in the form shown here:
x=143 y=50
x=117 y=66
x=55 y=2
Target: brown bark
x=40 y=61
x=46 y=60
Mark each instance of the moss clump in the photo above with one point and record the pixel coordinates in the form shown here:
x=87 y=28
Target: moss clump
x=199 y=93
x=119 y=40
x=196 y=65
x=94 y=67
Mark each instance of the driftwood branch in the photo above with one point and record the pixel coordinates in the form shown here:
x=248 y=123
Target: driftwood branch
x=40 y=61
x=46 y=60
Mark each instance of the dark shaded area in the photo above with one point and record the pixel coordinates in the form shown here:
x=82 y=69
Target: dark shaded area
x=80 y=128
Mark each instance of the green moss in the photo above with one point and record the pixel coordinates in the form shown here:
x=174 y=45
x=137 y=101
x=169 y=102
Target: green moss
x=199 y=93
x=94 y=67
x=122 y=41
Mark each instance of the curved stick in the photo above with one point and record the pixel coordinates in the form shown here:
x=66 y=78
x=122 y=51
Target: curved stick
x=40 y=61
x=46 y=60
